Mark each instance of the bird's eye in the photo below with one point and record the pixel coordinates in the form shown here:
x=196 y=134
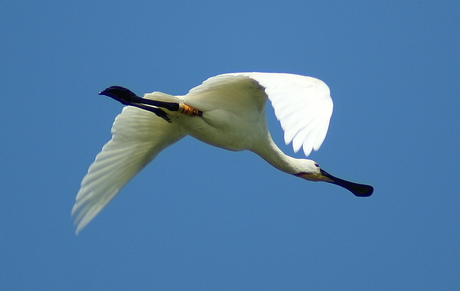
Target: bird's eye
x=316 y=165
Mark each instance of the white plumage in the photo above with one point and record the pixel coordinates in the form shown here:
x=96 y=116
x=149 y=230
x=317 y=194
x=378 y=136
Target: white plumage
x=232 y=116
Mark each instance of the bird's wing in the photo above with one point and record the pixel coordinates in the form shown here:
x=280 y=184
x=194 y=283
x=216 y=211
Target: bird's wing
x=137 y=137
x=303 y=106
x=229 y=92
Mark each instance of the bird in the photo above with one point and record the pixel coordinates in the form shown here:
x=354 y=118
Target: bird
x=226 y=111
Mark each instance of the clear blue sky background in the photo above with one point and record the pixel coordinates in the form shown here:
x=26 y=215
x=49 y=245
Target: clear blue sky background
x=201 y=218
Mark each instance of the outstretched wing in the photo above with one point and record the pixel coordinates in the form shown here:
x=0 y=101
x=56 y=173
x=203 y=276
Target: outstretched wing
x=303 y=106
x=137 y=137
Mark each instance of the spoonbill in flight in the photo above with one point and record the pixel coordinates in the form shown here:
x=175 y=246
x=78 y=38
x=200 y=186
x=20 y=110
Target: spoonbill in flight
x=226 y=111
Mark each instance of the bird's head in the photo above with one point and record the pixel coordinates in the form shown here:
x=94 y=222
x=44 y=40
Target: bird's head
x=311 y=171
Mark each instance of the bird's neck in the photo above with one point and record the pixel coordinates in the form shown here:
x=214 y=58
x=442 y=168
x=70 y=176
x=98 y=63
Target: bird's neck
x=270 y=152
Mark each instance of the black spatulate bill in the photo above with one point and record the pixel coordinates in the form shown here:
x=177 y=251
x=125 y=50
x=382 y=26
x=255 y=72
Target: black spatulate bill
x=359 y=190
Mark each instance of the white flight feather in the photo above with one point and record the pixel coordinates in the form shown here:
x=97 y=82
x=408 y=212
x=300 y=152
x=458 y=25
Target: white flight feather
x=138 y=136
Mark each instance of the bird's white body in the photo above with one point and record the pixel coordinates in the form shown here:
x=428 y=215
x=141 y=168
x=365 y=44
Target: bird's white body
x=233 y=118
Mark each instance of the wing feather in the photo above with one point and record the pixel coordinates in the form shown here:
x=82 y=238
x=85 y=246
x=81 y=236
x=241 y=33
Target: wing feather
x=137 y=137
x=302 y=104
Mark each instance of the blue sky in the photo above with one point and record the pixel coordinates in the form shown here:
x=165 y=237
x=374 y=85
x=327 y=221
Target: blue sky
x=393 y=69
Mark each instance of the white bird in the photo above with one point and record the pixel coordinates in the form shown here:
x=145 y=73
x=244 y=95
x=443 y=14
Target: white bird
x=226 y=111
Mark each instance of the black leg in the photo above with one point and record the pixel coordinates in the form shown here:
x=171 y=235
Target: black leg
x=127 y=97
